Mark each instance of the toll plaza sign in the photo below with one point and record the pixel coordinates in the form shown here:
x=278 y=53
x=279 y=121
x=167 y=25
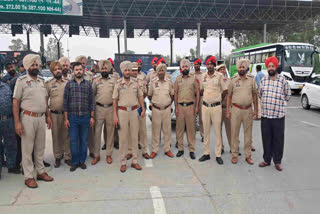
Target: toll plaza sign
x=50 y=7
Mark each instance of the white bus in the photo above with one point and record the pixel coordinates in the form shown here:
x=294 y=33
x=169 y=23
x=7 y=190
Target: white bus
x=296 y=60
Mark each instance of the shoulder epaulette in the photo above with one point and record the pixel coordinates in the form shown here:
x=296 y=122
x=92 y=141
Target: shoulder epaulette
x=119 y=80
x=22 y=77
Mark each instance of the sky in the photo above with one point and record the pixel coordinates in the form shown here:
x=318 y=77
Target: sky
x=101 y=48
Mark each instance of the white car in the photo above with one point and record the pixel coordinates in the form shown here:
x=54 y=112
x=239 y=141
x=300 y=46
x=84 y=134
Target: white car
x=46 y=74
x=310 y=94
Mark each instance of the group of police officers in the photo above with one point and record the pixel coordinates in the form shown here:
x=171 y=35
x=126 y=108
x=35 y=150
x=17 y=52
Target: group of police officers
x=120 y=111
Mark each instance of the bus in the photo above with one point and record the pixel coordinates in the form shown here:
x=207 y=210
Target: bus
x=296 y=60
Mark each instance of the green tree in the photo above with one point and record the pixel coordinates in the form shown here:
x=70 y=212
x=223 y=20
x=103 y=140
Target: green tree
x=18 y=45
x=51 y=52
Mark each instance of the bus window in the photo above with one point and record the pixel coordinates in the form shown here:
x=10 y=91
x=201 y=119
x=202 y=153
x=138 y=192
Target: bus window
x=258 y=58
x=264 y=57
x=246 y=57
x=252 y=58
x=272 y=54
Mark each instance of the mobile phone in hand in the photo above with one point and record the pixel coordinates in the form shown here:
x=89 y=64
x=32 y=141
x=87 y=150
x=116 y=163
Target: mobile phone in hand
x=117 y=126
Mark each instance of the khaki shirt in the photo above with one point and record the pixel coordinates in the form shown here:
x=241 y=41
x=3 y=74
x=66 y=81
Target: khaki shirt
x=103 y=89
x=31 y=94
x=199 y=76
x=161 y=92
x=213 y=86
x=127 y=94
x=68 y=77
x=87 y=76
x=154 y=74
x=142 y=79
x=242 y=90
x=227 y=82
x=186 y=88
x=55 y=90
x=116 y=75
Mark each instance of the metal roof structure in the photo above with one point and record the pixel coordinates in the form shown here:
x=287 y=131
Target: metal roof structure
x=175 y=14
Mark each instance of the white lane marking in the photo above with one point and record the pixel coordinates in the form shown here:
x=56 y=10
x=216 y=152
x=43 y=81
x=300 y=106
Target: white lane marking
x=148 y=163
x=158 y=203
x=310 y=123
x=293 y=107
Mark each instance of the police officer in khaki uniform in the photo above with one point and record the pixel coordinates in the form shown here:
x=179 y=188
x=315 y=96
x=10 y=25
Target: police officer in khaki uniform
x=87 y=76
x=65 y=63
x=103 y=87
x=60 y=137
x=127 y=96
x=186 y=98
x=31 y=96
x=199 y=75
x=214 y=90
x=152 y=72
x=161 y=95
x=227 y=124
x=242 y=92
x=142 y=136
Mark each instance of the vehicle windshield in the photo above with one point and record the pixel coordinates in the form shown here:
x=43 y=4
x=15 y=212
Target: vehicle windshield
x=298 y=55
x=46 y=73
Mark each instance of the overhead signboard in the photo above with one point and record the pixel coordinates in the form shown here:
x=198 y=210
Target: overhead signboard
x=49 y=7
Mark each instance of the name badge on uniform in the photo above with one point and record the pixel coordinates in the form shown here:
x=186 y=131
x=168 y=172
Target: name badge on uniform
x=54 y=86
x=156 y=85
x=225 y=79
x=28 y=83
x=122 y=86
x=237 y=83
x=205 y=79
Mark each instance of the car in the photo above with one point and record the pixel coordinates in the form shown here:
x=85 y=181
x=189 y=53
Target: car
x=310 y=94
x=46 y=74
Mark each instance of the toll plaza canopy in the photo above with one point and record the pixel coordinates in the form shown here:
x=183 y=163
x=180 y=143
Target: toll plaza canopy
x=175 y=14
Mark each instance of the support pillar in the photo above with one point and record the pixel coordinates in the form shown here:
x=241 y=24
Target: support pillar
x=125 y=35
x=58 y=46
x=171 y=48
x=41 y=44
x=220 y=41
x=198 y=40
x=28 y=40
x=264 y=33
x=118 y=38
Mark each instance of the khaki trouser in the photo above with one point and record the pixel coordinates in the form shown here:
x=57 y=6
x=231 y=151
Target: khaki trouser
x=91 y=139
x=161 y=120
x=259 y=107
x=200 y=117
x=227 y=126
x=186 y=118
x=212 y=115
x=129 y=126
x=142 y=136
x=60 y=137
x=104 y=118
x=33 y=140
x=243 y=116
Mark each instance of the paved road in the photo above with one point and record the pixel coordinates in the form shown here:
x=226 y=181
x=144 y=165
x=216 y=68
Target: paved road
x=182 y=185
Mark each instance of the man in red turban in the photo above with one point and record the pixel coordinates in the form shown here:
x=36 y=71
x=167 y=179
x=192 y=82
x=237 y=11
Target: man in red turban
x=274 y=92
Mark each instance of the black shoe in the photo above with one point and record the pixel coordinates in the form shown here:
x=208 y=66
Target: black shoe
x=204 y=158
x=222 y=151
x=180 y=153
x=192 y=156
x=83 y=166
x=14 y=171
x=57 y=163
x=68 y=162
x=239 y=154
x=139 y=146
x=91 y=155
x=202 y=139
x=73 y=167
x=104 y=147
x=219 y=160
x=116 y=145
x=46 y=164
x=176 y=144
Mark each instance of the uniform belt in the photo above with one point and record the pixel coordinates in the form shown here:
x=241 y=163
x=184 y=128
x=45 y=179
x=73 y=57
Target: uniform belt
x=57 y=112
x=160 y=108
x=132 y=108
x=186 y=104
x=5 y=117
x=32 y=114
x=104 y=106
x=241 y=107
x=212 y=104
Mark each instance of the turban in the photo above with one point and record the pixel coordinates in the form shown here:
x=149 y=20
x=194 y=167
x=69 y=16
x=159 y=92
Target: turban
x=30 y=59
x=111 y=61
x=80 y=58
x=134 y=66
x=154 y=60
x=197 y=61
x=244 y=62
x=107 y=63
x=161 y=66
x=139 y=61
x=63 y=60
x=125 y=65
x=54 y=64
x=272 y=59
x=185 y=62
x=161 y=60
x=212 y=59
x=221 y=66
